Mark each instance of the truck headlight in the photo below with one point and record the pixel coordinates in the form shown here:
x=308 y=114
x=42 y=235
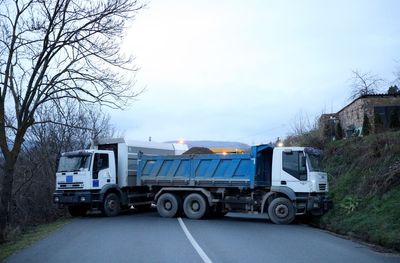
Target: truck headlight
x=56 y=199
x=83 y=199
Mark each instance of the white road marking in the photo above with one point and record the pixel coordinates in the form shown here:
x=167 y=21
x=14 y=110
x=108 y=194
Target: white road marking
x=196 y=246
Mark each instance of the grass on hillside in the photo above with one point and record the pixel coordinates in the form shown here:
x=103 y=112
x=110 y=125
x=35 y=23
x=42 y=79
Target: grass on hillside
x=365 y=188
x=29 y=237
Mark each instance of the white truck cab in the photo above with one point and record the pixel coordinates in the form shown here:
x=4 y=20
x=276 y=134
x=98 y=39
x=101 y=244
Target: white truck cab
x=86 y=169
x=299 y=169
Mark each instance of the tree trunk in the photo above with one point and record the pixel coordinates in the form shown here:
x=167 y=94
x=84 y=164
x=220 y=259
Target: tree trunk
x=6 y=195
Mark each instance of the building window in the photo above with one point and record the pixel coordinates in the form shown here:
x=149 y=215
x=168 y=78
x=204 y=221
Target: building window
x=384 y=112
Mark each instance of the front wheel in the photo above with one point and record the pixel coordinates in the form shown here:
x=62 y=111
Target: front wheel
x=111 y=205
x=281 y=211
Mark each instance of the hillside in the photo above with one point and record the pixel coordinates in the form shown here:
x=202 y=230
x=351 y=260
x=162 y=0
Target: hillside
x=365 y=188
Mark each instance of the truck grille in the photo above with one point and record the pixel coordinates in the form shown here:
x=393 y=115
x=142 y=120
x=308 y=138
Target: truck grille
x=322 y=187
x=74 y=185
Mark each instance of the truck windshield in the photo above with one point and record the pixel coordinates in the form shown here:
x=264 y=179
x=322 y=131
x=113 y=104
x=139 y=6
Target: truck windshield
x=71 y=163
x=315 y=162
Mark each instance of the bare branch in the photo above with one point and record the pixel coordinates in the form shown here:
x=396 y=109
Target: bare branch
x=364 y=84
x=52 y=53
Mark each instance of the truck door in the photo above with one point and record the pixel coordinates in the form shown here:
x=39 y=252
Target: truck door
x=101 y=171
x=294 y=171
x=111 y=147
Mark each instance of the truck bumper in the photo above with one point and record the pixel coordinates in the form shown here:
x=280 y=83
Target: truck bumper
x=76 y=197
x=317 y=205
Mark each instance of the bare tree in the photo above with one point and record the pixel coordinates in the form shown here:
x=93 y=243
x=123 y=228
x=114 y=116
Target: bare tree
x=56 y=50
x=301 y=123
x=364 y=84
x=36 y=165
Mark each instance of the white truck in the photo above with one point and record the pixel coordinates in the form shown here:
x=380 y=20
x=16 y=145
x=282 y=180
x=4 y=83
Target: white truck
x=104 y=177
x=280 y=182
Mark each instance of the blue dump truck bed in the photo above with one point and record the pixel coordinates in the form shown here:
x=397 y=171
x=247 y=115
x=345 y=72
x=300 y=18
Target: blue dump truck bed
x=207 y=170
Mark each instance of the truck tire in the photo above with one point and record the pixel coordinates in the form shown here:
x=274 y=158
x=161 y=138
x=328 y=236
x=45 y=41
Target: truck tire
x=111 y=205
x=77 y=210
x=195 y=206
x=168 y=205
x=281 y=211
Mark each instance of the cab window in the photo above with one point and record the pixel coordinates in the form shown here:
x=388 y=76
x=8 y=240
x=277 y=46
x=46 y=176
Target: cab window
x=294 y=164
x=100 y=163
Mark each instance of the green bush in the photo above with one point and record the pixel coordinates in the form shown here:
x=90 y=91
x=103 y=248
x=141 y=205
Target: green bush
x=378 y=123
x=394 y=122
x=338 y=131
x=366 y=127
x=349 y=204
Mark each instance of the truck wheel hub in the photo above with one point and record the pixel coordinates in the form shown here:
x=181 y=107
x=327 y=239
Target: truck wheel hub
x=281 y=210
x=111 y=204
x=168 y=205
x=195 y=206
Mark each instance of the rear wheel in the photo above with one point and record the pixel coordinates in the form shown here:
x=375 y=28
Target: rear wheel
x=168 y=205
x=111 y=205
x=77 y=210
x=195 y=206
x=281 y=211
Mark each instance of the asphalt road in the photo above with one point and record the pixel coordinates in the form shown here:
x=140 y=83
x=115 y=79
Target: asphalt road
x=145 y=237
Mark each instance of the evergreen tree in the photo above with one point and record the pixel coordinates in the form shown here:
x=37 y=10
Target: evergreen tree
x=366 y=127
x=327 y=131
x=393 y=90
x=394 y=122
x=338 y=131
x=378 y=123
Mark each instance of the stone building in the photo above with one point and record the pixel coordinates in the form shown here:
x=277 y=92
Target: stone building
x=351 y=116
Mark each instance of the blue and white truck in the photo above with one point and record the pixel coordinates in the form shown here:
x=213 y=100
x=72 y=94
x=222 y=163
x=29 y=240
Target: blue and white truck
x=279 y=182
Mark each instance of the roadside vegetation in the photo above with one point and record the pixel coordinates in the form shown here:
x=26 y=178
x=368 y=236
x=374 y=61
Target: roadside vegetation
x=364 y=178
x=365 y=188
x=31 y=235
x=57 y=58
x=36 y=166
x=364 y=169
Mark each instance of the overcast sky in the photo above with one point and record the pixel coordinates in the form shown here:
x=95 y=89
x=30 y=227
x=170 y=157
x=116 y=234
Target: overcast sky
x=242 y=70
